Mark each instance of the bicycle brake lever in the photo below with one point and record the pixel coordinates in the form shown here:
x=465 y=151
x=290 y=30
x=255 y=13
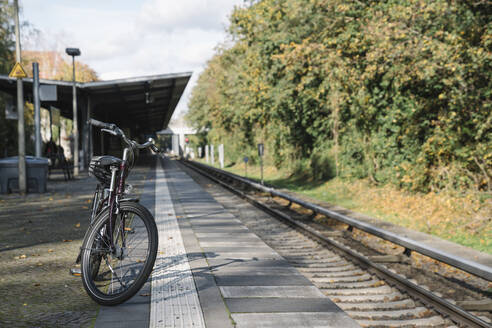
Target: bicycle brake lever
x=110 y=131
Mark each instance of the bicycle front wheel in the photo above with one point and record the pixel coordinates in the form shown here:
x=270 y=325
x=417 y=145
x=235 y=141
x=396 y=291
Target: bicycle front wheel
x=111 y=274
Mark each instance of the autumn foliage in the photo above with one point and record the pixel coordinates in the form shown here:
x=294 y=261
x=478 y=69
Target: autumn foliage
x=56 y=66
x=394 y=91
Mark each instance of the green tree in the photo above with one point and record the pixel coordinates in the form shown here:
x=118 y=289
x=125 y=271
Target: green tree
x=396 y=91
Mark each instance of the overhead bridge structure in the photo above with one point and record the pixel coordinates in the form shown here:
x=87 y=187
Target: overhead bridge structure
x=141 y=106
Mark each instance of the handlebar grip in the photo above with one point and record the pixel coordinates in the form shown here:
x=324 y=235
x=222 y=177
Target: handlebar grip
x=155 y=149
x=113 y=132
x=101 y=124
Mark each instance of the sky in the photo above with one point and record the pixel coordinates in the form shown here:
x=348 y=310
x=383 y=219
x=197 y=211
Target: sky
x=125 y=38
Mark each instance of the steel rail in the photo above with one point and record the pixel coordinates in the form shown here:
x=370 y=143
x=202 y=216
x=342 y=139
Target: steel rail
x=441 y=305
x=477 y=269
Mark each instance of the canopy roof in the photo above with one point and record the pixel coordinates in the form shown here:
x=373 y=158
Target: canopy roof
x=144 y=103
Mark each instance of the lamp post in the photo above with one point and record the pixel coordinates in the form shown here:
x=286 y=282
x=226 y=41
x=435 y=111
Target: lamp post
x=74 y=52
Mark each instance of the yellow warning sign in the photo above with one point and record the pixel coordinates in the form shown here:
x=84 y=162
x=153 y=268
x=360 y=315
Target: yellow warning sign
x=18 y=71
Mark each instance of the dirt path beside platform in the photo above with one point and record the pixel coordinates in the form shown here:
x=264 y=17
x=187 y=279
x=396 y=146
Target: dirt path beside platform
x=40 y=236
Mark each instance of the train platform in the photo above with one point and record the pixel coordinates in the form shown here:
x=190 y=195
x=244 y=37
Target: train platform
x=212 y=271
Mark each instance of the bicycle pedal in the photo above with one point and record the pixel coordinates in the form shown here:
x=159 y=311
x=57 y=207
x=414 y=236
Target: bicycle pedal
x=75 y=272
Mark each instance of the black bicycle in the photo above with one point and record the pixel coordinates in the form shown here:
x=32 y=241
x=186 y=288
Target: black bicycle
x=120 y=246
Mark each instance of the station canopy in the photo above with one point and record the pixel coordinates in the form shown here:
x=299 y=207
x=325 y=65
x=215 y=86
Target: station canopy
x=144 y=104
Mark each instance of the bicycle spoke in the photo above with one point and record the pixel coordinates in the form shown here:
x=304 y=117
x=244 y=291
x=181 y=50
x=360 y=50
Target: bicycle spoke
x=116 y=275
x=133 y=248
x=103 y=239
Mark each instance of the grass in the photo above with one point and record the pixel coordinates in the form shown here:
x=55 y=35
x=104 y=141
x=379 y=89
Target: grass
x=465 y=220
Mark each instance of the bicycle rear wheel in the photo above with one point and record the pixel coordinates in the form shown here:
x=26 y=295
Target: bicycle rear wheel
x=113 y=275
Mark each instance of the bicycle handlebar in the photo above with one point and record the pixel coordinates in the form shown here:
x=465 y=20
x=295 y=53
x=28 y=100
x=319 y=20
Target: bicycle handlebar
x=149 y=143
x=116 y=131
x=102 y=125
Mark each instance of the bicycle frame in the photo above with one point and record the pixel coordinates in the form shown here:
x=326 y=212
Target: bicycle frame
x=115 y=195
x=111 y=197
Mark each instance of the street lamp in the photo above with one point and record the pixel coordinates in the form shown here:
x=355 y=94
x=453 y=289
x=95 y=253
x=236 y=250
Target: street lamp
x=74 y=52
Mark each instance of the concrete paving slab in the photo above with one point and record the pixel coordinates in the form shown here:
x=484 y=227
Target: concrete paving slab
x=258 y=263
x=271 y=291
x=260 y=280
x=219 y=215
x=216 y=224
x=294 y=319
x=244 y=256
x=202 y=209
x=245 y=248
x=231 y=243
x=228 y=230
x=206 y=213
x=255 y=271
x=206 y=219
x=243 y=235
x=195 y=199
x=199 y=210
x=269 y=305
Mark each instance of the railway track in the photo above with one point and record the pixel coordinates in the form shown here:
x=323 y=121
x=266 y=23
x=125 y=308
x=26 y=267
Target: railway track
x=342 y=267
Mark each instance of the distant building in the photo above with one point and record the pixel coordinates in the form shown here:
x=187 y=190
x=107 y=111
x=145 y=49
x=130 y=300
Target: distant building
x=178 y=130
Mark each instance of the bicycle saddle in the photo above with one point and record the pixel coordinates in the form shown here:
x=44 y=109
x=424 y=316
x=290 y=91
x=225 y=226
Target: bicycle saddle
x=100 y=167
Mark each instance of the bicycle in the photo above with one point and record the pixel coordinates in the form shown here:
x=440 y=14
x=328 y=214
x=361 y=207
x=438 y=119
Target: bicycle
x=120 y=245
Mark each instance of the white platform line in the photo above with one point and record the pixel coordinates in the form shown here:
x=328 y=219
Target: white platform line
x=174 y=300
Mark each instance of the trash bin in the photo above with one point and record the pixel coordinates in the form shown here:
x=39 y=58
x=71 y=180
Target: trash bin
x=37 y=174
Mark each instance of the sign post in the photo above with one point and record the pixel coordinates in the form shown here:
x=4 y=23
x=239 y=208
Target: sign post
x=245 y=159
x=260 y=154
x=221 y=155
x=19 y=73
x=37 y=107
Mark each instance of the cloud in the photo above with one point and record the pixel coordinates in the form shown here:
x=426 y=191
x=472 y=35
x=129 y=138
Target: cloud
x=135 y=38
x=172 y=15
